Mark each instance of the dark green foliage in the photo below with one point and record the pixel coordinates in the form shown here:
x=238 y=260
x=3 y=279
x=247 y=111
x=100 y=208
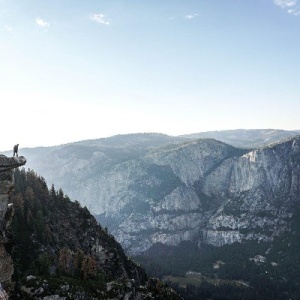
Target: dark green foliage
x=66 y=252
x=275 y=278
x=37 y=211
x=68 y=287
x=50 y=236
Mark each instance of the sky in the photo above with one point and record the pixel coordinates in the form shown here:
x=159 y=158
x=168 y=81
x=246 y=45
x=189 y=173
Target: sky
x=76 y=70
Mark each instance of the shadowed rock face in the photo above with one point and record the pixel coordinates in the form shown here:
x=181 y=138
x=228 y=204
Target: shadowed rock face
x=7 y=164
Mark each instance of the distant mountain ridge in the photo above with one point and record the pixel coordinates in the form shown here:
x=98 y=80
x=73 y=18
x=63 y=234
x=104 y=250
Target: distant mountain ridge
x=247 y=138
x=131 y=146
x=150 y=188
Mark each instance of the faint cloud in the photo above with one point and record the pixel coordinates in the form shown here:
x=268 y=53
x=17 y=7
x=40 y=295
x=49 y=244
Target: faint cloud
x=8 y=28
x=190 y=17
x=291 y=6
x=99 y=18
x=41 y=22
x=294 y=12
x=285 y=3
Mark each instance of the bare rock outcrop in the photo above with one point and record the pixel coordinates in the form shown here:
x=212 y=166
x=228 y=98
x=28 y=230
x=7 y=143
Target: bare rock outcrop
x=7 y=164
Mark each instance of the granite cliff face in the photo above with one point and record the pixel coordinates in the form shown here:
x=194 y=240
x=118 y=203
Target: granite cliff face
x=200 y=190
x=204 y=191
x=257 y=191
x=6 y=188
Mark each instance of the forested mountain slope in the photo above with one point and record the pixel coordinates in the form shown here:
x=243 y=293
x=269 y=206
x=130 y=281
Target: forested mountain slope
x=59 y=250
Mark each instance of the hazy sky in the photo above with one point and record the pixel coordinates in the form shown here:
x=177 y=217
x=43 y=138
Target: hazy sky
x=74 y=70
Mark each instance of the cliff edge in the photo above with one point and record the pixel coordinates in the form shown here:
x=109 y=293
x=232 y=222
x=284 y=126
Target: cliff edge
x=7 y=164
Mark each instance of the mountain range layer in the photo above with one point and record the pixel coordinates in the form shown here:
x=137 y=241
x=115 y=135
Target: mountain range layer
x=152 y=188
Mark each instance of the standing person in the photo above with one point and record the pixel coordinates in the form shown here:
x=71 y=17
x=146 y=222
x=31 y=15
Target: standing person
x=16 y=149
